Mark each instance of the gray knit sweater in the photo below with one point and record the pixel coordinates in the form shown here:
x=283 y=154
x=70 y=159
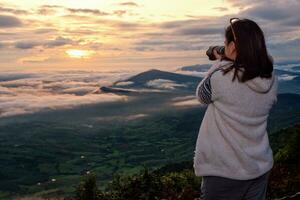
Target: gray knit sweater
x=233 y=140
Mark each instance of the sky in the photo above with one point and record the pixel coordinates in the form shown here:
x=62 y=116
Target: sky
x=112 y=35
x=55 y=54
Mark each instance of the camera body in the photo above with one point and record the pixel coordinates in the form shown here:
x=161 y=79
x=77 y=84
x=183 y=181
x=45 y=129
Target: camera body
x=210 y=52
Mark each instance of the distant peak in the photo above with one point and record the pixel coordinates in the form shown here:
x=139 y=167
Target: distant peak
x=153 y=70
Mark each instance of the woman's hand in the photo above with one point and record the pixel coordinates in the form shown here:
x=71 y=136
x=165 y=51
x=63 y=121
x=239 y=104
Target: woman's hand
x=218 y=56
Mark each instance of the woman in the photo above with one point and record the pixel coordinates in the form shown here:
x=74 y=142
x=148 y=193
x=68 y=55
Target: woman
x=233 y=154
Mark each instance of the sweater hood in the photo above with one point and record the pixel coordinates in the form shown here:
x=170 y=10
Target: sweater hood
x=257 y=84
x=261 y=85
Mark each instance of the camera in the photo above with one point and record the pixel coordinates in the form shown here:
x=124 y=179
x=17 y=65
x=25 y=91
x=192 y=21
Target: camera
x=210 y=52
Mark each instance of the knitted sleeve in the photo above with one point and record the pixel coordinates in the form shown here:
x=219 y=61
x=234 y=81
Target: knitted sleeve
x=203 y=91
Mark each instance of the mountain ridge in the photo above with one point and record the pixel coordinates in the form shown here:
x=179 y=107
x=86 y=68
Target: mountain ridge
x=152 y=74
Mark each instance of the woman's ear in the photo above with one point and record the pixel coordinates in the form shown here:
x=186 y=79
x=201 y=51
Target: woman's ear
x=232 y=47
x=231 y=51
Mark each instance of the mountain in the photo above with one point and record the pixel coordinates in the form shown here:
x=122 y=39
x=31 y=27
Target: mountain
x=114 y=90
x=149 y=75
x=289 y=81
x=120 y=90
x=157 y=79
x=152 y=81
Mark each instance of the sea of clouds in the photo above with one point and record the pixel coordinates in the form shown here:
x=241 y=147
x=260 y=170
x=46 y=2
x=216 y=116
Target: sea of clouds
x=22 y=93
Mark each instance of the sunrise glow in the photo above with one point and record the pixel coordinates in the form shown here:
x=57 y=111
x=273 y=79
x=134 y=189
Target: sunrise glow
x=76 y=53
x=139 y=34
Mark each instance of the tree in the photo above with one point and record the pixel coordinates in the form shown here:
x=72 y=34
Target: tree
x=87 y=190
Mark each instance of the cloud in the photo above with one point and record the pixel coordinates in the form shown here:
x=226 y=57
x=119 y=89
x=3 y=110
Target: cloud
x=275 y=12
x=82 y=32
x=292 y=22
x=168 y=45
x=182 y=98
x=2 y=45
x=34 y=59
x=154 y=42
x=203 y=22
x=191 y=102
x=241 y=4
x=285 y=46
x=23 y=93
x=51 y=6
x=143 y=48
x=7 y=21
x=269 y=12
x=14 y=11
x=45 y=30
x=30 y=103
x=129 y=3
x=185 y=101
x=58 y=41
x=192 y=73
x=15 y=76
x=136 y=116
x=124 y=83
x=5 y=91
x=89 y=11
x=128 y=26
x=142 y=36
x=221 y=9
x=169 y=48
x=80 y=91
x=26 y=44
x=120 y=13
x=200 y=31
x=181 y=35
x=292 y=42
x=286 y=77
x=164 y=84
x=175 y=24
x=80 y=18
x=288 y=63
x=48 y=9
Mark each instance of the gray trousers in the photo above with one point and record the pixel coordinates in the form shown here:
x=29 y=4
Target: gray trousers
x=220 y=188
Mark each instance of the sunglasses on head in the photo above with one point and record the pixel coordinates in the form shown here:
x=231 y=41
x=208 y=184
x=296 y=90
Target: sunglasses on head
x=232 y=20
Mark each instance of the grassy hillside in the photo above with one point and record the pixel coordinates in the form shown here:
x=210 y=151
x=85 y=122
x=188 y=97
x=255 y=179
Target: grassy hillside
x=177 y=181
x=105 y=139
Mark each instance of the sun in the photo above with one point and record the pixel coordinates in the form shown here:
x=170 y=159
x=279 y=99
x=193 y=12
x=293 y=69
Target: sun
x=77 y=53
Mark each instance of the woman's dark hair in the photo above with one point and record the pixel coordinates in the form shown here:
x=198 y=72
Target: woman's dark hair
x=251 y=50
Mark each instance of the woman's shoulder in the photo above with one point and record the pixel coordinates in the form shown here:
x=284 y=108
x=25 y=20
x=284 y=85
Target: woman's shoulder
x=219 y=65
